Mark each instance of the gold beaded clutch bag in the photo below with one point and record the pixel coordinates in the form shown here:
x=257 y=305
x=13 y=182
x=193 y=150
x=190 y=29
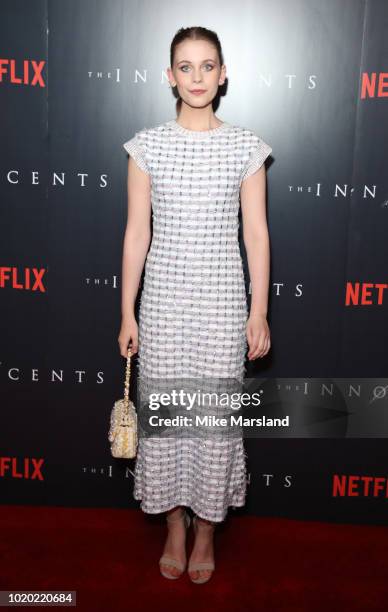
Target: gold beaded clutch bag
x=123 y=423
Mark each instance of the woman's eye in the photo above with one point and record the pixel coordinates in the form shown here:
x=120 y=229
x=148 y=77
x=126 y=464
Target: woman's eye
x=208 y=66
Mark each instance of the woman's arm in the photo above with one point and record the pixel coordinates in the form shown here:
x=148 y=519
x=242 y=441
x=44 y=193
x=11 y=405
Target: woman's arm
x=256 y=241
x=136 y=243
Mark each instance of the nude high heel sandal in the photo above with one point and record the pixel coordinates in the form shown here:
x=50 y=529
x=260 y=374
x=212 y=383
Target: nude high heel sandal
x=202 y=565
x=165 y=559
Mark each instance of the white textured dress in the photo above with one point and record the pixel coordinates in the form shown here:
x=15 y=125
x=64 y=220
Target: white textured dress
x=193 y=307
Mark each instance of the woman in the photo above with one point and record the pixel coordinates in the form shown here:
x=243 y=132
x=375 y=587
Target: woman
x=190 y=173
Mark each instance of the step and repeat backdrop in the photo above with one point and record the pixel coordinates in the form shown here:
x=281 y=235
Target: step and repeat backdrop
x=80 y=78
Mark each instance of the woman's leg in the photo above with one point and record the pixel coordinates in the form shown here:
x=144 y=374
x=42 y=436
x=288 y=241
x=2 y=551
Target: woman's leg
x=175 y=545
x=203 y=549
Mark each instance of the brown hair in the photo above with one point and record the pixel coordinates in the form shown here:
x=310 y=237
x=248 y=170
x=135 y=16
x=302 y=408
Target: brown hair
x=194 y=33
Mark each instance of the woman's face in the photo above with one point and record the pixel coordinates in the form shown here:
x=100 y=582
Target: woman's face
x=196 y=67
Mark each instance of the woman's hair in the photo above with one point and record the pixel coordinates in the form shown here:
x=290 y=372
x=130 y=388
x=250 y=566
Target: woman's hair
x=194 y=33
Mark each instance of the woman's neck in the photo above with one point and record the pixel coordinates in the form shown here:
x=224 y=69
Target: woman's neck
x=198 y=119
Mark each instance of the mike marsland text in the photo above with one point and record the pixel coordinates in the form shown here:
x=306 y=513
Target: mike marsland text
x=213 y=421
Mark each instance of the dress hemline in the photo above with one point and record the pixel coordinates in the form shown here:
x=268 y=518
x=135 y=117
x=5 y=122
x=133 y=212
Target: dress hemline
x=199 y=512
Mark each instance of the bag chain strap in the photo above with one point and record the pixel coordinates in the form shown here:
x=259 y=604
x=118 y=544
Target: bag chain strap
x=126 y=384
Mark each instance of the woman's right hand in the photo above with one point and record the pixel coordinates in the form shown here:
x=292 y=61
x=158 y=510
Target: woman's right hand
x=128 y=337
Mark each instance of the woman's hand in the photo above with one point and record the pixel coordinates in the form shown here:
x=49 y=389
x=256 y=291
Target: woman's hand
x=258 y=336
x=128 y=337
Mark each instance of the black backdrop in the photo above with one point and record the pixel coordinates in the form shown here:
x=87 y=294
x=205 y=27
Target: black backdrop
x=79 y=78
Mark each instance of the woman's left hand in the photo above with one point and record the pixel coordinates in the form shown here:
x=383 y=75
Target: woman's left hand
x=258 y=336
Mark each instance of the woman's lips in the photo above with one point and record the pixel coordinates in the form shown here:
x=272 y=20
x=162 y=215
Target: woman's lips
x=197 y=92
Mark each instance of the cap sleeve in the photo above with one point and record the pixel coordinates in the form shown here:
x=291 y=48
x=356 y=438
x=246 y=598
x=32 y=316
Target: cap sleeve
x=258 y=153
x=136 y=149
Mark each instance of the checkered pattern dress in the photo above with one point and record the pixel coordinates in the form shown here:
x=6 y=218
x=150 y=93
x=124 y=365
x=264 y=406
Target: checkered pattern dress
x=193 y=307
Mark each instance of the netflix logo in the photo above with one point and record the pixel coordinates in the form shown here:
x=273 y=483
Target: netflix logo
x=27 y=279
x=27 y=468
x=27 y=73
x=364 y=294
x=359 y=486
x=374 y=85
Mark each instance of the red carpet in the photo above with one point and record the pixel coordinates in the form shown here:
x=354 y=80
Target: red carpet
x=109 y=556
